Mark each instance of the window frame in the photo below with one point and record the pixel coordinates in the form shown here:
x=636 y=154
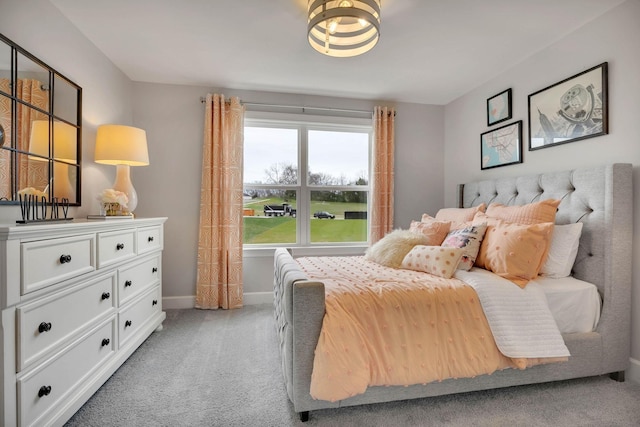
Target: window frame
x=303 y=188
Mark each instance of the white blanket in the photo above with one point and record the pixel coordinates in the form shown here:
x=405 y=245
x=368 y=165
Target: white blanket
x=520 y=319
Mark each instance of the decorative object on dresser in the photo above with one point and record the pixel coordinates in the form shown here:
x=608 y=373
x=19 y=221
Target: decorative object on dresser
x=575 y=108
x=501 y=146
x=499 y=107
x=77 y=300
x=34 y=208
x=123 y=146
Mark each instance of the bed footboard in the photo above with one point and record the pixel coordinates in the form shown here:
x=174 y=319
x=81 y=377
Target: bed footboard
x=299 y=310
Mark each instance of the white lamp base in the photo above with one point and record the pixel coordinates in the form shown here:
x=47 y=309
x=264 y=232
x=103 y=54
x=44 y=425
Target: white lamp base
x=123 y=183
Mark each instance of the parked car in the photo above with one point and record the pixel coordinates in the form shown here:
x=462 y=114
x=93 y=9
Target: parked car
x=324 y=214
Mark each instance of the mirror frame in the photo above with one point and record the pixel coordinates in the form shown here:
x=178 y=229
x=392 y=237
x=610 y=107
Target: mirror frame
x=53 y=77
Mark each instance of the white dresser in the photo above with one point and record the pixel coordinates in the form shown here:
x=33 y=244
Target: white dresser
x=77 y=299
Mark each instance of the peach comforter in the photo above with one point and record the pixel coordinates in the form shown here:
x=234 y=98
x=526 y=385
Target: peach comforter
x=387 y=326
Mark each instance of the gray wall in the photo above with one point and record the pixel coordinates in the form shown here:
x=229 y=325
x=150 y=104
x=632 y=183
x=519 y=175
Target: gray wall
x=38 y=27
x=614 y=37
x=173 y=117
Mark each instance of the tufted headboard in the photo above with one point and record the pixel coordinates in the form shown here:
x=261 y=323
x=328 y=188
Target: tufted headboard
x=600 y=198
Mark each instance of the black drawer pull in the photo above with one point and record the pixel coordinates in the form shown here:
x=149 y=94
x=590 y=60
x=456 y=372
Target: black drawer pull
x=154 y=270
x=127 y=323
x=155 y=302
x=44 y=327
x=106 y=295
x=44 y=390
x=105 y=341
x=150 y=239
x=119 y=246
x=127 y=283
x=65 y=259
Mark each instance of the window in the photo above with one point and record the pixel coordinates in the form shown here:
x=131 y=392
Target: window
x=305 y=183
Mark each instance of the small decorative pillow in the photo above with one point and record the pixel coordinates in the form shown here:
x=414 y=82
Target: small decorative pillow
x=392 y=248
x=563 y=250
x=459 y=217
x=532 y=213
x=435 y=260
x=434 y=230
x=468 y=238
x=513 y=251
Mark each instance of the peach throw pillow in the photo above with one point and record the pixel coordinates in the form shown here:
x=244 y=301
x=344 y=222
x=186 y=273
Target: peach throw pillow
x=434 y=260
x=513 y=251
x=459 y=217
x=435 y=231
x=532 y=213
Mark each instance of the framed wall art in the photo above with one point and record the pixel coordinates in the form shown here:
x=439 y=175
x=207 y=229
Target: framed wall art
x=501 y=146
x=499 y=107
x=573 y=109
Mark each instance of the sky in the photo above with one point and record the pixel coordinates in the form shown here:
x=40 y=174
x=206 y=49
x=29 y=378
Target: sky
x=333 y=153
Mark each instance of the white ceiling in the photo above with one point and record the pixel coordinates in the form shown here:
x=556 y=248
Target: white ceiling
x=430 y=51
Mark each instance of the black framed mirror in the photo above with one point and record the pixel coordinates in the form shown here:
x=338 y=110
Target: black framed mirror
x=40 y=129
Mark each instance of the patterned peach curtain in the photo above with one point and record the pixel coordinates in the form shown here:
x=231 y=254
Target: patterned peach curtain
x=382 y=182
x=219 y=282
x=30 y=173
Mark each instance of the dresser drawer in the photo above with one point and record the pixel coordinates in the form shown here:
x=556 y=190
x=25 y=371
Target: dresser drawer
x=43 y=388
x=134 y=279
x=45 y=262
x=132 y=318
x=48 y=322
x=149 y=239
x=116 y=246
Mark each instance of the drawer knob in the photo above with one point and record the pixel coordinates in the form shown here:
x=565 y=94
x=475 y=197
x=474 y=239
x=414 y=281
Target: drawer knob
x=119 y=246
x=44 y=327
x=105 y=342
x=127 y=283
x=65 y=259
x=106 y=295
x=150 y=239
x=127 y=323
x=44 y=390
x=154 y=270
x=154 y=302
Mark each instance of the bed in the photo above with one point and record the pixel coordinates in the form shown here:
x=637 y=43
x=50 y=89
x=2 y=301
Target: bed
x=598 y=197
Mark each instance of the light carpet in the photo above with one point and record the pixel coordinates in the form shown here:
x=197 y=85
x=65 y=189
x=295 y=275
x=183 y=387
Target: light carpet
x=222 y=368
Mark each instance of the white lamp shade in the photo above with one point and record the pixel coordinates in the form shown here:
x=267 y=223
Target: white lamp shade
x=121 y=145
x=64 y=141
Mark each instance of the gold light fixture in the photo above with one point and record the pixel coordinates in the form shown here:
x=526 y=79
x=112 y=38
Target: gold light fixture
x=343 y=28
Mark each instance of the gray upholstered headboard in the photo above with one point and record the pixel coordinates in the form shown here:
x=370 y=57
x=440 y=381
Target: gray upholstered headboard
x=599 y=197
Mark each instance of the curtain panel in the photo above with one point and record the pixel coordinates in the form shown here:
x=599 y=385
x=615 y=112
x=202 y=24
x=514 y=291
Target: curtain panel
x=382 y=182
x=219 y=278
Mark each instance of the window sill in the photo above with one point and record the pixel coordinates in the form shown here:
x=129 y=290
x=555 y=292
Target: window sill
x=257 y=252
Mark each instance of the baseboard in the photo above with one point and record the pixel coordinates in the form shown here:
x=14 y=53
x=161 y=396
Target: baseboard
x=633 y=373
x=250 y=298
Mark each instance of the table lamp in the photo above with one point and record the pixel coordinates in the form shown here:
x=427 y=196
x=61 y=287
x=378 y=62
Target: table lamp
x=123 y=146
x=64 y=149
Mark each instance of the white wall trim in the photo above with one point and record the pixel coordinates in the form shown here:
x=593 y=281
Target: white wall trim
x=250 y=298
x=633 y=373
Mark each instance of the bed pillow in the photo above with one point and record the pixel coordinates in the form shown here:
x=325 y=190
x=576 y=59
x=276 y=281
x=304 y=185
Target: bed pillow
x=434 y=230
x=434 y=260
x=513 y=251
x=469 y=239
x=392 y=248
x=459 y=217
x=565 y=240
x=532 y=213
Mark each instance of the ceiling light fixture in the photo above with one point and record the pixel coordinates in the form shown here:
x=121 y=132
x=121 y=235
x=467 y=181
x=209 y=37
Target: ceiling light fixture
x=343 y=28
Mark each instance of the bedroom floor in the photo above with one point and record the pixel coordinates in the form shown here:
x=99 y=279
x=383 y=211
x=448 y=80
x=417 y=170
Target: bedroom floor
x=222 y=368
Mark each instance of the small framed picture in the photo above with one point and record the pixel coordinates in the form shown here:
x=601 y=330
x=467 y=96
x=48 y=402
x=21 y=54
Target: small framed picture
x=501 y=146
x=573 y=109
x=499 y=107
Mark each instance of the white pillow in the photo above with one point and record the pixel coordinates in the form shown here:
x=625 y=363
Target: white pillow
x=434 y=260
x=563 y=250
x=391 y=249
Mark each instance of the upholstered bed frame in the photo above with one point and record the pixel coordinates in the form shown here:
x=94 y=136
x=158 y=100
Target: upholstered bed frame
x=599 y=197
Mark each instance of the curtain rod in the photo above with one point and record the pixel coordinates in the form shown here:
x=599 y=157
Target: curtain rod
x=301 y=107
